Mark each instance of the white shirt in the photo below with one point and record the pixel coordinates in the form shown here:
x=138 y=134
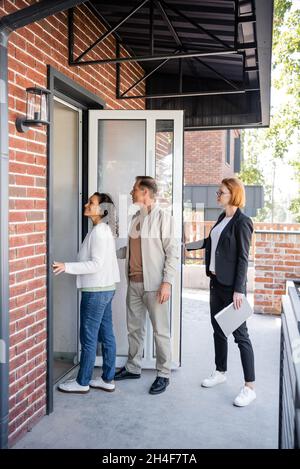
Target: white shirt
x=215 y=236
x=97 y=264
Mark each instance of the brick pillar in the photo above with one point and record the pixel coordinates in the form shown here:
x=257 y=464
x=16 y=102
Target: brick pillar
x=276 y=259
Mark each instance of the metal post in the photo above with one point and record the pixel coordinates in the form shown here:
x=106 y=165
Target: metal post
x=151 y=27
x=71 y=34
x=118 y=70
x=180 y=76
x=236 y=23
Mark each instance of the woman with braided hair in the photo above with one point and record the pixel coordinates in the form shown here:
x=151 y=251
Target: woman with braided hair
x=97 y=272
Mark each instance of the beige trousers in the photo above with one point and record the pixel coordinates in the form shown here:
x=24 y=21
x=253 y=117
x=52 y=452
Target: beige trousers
x=138 y=302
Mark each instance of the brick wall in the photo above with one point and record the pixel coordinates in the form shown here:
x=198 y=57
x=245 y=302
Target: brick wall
x=277 y=259
x=204 y=156
x=30 y=50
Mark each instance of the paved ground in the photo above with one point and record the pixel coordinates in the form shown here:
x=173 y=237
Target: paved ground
x=186 y=416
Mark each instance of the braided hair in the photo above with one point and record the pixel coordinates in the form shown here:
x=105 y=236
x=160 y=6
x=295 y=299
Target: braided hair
x=108 y=212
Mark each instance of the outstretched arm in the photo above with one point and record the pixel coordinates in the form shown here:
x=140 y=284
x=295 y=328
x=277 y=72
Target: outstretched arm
x=196 y=245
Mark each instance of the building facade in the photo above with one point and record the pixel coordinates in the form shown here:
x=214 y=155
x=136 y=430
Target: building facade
x=210 y=156
x=40 y=53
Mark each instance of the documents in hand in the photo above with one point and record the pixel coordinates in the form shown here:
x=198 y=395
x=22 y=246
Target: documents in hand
x=229 y=319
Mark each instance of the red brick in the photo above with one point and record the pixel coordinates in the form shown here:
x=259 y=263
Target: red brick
x=17 y=290
x=25 y=368
x=17 y=217
x=25 y=251
x=25 y=275
x=35 y=261
x=24 y=180
x=24 y=346
x=36 y=306
x=24 y=299
x=34 y=352
x=18 y=361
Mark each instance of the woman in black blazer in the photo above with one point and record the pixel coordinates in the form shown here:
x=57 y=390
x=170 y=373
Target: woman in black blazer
x=226 y=260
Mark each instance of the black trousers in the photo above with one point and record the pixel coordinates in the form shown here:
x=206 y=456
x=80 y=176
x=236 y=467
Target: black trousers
x=220 y=297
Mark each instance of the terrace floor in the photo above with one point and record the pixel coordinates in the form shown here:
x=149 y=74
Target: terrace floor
x=186 y=415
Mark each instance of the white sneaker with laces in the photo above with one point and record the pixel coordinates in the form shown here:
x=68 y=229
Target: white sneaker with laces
x=217 y=377
x=245 y=397
x=71 y=385
x=100 y=384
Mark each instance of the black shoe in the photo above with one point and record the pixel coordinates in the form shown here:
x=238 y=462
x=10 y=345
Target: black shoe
x=124 y=374
x=159 y=385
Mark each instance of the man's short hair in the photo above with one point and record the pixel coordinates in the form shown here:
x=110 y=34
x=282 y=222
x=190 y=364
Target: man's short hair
x=147 y=182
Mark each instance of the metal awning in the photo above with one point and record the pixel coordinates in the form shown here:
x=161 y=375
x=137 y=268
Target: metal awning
x=211 y=58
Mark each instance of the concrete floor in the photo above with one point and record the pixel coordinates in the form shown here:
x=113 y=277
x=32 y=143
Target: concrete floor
x=186 y=415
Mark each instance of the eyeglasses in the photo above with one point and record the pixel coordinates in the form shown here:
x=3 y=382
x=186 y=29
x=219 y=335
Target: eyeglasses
x=219 y=193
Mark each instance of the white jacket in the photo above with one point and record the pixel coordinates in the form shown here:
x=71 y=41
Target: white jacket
x=160 y=248
x=97 y=264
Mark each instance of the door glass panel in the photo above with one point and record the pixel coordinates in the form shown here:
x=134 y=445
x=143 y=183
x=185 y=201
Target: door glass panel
x=164 y=153
x=124 y=144
x=65 y=237
x=121 y=157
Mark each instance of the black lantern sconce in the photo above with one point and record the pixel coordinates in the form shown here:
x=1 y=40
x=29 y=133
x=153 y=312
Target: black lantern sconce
x=37 y=109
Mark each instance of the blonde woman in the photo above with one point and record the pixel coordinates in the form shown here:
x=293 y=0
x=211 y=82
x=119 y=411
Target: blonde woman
x=97 y=272
x=226 y=259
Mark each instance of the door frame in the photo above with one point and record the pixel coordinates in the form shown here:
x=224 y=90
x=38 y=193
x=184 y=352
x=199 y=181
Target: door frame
x=150 y=116
x=69 y=91
x=79 y=200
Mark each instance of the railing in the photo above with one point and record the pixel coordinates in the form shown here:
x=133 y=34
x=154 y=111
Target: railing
x=195 y=230
x=289 y=400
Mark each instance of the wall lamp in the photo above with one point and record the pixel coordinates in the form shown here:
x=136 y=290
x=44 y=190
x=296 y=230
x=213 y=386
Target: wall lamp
x=37 y=109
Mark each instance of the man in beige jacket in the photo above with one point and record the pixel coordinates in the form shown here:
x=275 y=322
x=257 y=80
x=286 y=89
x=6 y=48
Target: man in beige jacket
x=151 y=261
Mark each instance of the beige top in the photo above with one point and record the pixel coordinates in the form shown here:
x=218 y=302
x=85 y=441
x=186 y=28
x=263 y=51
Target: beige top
x=135 y=254
x=160 y=248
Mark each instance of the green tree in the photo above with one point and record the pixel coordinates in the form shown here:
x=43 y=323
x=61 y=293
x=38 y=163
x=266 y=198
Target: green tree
x=295 y=203
x=250 y=173
x=272 y=144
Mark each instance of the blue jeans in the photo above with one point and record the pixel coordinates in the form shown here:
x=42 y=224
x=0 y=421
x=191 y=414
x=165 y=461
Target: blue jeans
x=96 y=325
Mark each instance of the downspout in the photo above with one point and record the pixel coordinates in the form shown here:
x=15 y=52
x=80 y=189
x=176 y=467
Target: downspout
x=8 y=24
x=4 y=273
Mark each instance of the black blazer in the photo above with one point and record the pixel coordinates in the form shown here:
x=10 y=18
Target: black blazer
x=232 y=251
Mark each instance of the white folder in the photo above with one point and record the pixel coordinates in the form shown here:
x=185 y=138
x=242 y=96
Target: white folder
x=229 y=319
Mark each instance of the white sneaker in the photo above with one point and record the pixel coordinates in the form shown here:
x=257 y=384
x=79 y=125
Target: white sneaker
x=72 y=386
x=245 y=397
x=100 y=384
x=217 y=377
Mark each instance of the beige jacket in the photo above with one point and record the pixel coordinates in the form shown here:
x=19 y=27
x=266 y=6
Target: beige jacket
x=160 y=249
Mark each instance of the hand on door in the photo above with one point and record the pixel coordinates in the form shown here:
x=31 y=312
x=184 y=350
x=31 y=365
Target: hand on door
x=164 y=292
x=58 y=267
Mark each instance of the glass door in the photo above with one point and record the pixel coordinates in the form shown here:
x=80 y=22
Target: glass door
x=66 y=232
x=123 y=145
